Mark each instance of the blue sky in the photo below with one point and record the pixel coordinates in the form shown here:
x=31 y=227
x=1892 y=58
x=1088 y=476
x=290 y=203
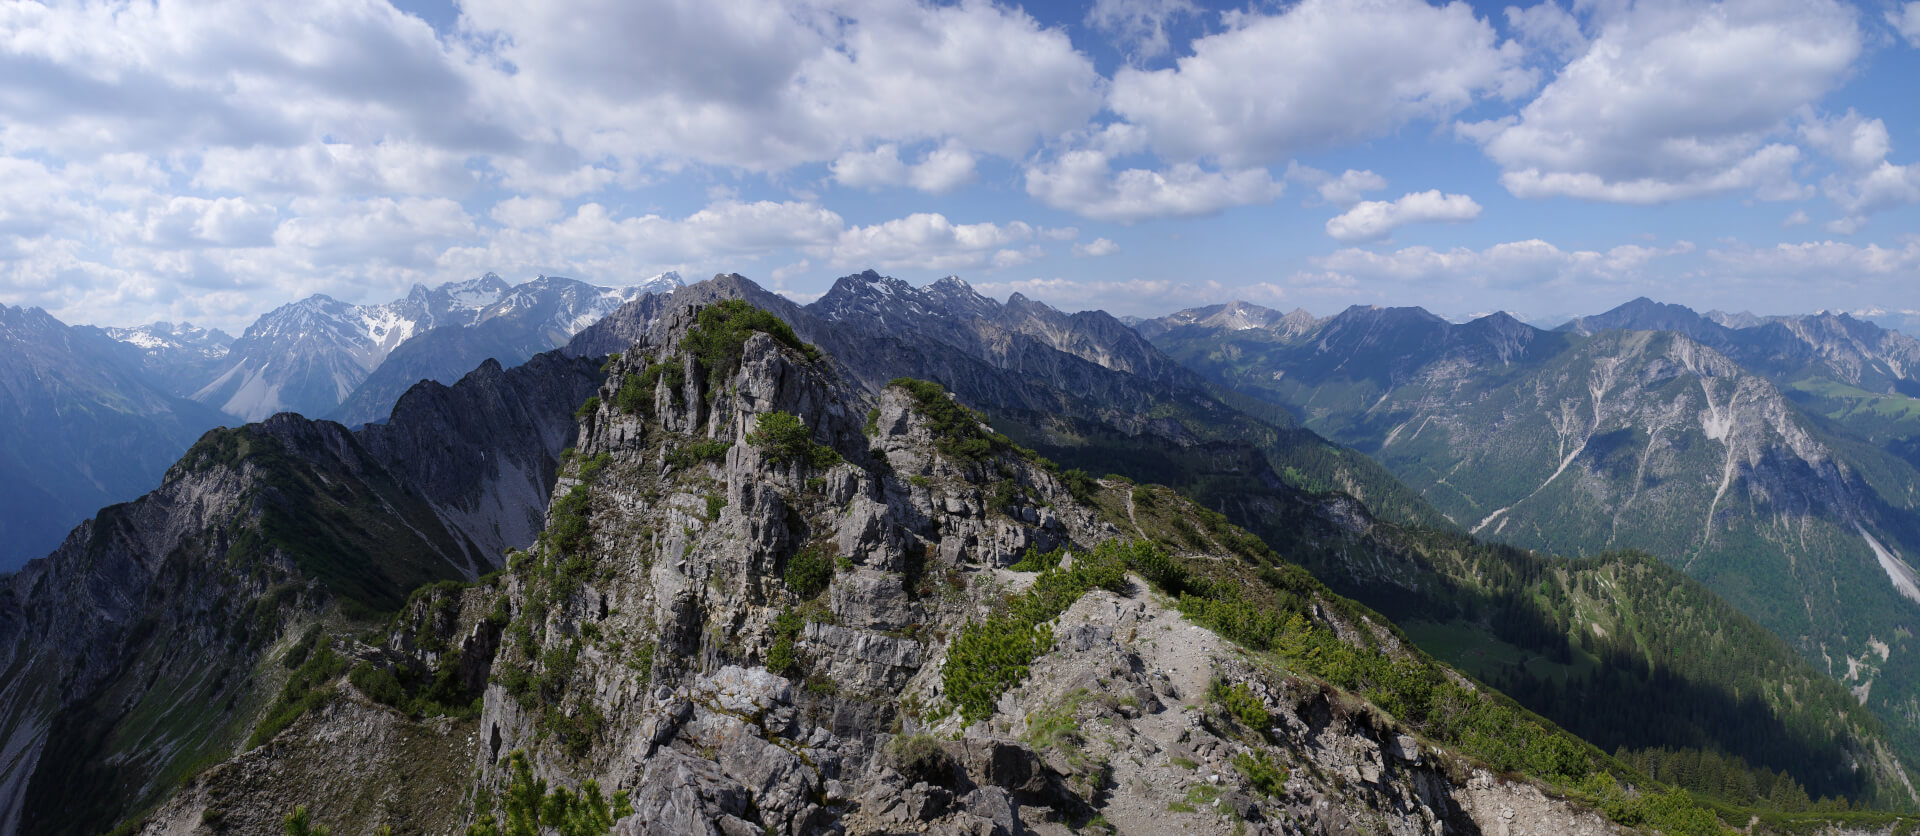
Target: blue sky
x=208 y=161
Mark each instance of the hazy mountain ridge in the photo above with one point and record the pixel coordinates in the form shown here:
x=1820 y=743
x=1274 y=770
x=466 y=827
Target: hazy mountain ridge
x=180 y=356
x=82 y=425
x=132 y=651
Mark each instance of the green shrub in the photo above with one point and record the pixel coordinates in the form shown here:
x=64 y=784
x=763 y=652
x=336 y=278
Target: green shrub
x=528 y=809
x=309 y=686
x=1242 y=705
x=567 y=526
x=786 y=633
x=591 y=468
x=378 y=683
x=698 y=452
x=989 y=657
x=720 y=332
x=873 y=422
x=808 y=573
x=1080 y=485
x=920 y=757
x=785 y=439
x=298 y=823
x=1260 y=771
x=588 y=407
x=1006 y=494
x=634 y=397
x=715 y=502
x=1036 y=560
x=636 y=390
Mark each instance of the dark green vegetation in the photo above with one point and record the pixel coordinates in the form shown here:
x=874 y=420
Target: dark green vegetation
x=699 y=451
x=808 y=572
x=322 y=504
x=528 y=808
x=784 y=438
x=1620 y=649
x=298 y=823
x=636 y=390
x=991 y=656
x=308 y=686
x=721 y=330
x=958 y=432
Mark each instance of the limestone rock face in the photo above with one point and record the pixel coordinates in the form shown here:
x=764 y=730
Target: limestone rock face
x=745 y=631
x=728 y=694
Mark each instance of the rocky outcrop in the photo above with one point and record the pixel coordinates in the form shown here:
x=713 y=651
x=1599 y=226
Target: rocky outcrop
x=705 y=676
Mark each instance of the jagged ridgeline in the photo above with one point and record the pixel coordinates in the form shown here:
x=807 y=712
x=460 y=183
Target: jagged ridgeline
x=764 y=602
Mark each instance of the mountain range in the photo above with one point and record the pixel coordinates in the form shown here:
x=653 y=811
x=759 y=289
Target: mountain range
x=777 y=590
x=97 y=414
x=765 y=567
x=1648 y=427
x=312 y=356
x=82 y=425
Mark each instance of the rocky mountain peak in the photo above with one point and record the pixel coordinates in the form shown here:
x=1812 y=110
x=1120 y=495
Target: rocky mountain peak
x=1644 y=314
x=958 y=298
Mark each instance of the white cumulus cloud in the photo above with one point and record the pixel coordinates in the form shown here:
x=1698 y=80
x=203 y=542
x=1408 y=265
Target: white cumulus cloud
x=941 y=170
x=1320 y=73
x=1677 y=100
x=928 y=241
x=1096 y=248
x=1906 y=19
x=1085 y=183
x=1376 y=219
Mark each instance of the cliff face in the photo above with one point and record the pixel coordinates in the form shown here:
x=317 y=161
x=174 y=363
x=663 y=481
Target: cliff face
x=749 y=628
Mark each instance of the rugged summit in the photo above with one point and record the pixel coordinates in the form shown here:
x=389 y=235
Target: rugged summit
x=767 y=603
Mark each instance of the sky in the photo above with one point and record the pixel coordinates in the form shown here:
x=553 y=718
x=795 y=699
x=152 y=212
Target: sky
x=208 y=161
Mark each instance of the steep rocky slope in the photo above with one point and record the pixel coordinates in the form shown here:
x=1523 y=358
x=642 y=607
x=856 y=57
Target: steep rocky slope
x=1860 y=376
x=759 y=608
x=135 y=651
x=1081 y=387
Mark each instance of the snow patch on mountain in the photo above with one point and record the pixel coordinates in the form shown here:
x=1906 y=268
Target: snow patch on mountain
x=309 y=356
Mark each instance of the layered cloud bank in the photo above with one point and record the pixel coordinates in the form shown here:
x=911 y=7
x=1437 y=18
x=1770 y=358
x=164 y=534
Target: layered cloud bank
x=205 y=161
